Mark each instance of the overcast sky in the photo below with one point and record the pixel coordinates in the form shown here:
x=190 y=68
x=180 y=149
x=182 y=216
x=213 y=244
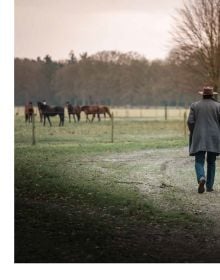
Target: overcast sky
x=55 y=27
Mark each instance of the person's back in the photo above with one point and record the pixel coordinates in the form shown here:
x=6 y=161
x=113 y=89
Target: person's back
x=204 y=126
x=205 y=119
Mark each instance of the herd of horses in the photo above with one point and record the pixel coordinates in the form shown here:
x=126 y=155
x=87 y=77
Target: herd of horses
x=46 y=111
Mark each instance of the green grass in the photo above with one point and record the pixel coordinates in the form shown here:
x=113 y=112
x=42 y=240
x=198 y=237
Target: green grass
x=68 y=210
x=133 y=134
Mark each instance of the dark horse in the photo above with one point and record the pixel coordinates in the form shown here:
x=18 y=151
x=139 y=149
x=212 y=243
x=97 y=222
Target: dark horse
x=40 y=112
x=28 y=111
x=73 y=110
x=48 y=112
x=91 y=110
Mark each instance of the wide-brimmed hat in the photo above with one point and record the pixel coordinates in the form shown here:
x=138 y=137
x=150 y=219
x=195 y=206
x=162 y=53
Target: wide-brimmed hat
x=208 y=91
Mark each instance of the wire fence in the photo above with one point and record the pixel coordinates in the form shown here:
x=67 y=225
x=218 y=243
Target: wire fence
x=120 y=114
x=150 y=113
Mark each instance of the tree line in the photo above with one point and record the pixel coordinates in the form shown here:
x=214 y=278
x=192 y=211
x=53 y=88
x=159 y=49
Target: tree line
x=119 y=79
x=107 y=77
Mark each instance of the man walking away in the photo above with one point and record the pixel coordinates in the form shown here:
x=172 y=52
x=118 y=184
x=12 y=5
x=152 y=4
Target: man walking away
x=204 y=126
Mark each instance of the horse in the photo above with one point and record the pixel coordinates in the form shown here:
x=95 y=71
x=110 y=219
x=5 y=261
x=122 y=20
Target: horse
x=105 y=110
x=28 y=112
x=40 y=113
x=48 y=112
x=73 y=110
x=90 y=110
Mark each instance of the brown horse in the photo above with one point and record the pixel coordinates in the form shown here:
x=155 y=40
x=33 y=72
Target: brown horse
x=105 y=110
x=90 y=110
x=28 y=112
x=73 y=110
x=48 y=112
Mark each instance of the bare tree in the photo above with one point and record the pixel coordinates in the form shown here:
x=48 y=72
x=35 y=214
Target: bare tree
x=197 y=36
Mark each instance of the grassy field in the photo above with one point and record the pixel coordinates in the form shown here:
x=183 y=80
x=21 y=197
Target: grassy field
x=80 y=198
x=133 y=130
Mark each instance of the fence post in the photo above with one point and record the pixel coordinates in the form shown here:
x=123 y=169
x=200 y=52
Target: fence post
x=33 y=130
x=165 y=112
x=112 y=134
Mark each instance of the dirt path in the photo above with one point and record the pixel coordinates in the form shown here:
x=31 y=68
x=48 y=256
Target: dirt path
x=75 y=230
x=168 y=177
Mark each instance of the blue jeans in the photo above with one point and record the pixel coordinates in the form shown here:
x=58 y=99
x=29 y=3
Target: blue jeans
x=199 y=166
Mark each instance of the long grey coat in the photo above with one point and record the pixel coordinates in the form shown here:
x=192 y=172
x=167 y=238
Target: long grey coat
x=204 y=126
